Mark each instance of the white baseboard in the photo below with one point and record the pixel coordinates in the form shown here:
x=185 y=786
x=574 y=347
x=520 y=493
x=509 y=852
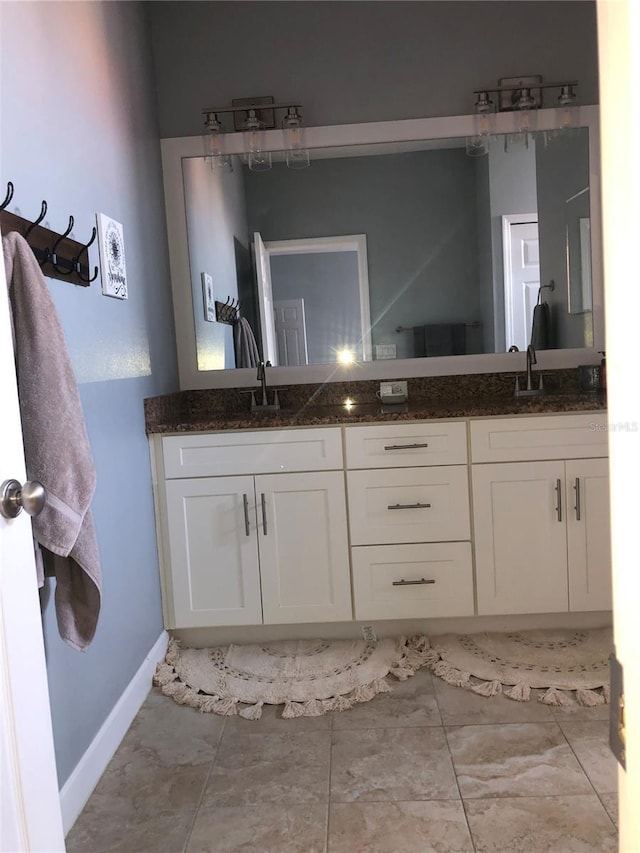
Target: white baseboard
x=78 y=788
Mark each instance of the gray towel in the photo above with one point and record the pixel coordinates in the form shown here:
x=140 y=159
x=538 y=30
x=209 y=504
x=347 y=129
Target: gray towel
x=56 y=445
x=439 y=339
x=540 y=327
x=244 y=343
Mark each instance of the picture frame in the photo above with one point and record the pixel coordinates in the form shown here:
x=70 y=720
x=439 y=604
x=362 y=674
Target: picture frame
x=113 y=267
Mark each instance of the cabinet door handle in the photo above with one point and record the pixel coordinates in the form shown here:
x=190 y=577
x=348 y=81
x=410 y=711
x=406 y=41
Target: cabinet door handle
x=559 y=504
x=577 y=488
x=245 y=501
x=403 y=582
x=264 y=513
x=404 y=446
x=409 y=506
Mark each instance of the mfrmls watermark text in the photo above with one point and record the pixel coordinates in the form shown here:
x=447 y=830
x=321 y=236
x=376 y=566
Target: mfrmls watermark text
x=615 y=426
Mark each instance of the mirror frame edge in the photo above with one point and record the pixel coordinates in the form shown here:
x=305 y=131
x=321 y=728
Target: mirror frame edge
x=174 y=149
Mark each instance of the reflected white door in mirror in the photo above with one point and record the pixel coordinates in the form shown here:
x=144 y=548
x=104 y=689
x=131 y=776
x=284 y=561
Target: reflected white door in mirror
x=431 y=218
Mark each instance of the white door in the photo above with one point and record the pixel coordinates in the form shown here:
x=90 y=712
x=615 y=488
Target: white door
x=30 y=819
x=213 y=548
x=588 y=534
x=265 y=301
x=304 y=553
x=291 y=332
x=520 y=538
x=521 y=277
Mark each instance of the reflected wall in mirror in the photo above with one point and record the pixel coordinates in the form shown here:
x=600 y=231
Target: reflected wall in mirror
x=450 y=266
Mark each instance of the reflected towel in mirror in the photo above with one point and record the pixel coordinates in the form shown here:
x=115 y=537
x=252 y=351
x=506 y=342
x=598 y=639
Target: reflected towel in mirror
x=244 y=344
x=540 y=327
x=439 y=339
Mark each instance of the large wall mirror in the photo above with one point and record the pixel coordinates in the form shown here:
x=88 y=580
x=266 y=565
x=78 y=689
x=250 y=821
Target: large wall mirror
x=394 y=249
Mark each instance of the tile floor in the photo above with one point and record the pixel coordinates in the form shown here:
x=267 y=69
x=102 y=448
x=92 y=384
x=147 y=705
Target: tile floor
x=429 y=767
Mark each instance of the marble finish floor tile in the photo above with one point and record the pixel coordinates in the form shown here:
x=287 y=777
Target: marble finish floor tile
x=99 y=830
x=411 y=703
x=590 y=742
x=391 y=764
x=265 y=828
x=610 y=802
x=270 y=768
x=519 y=759
x=172 y=735
x=460 y=707
x=405 y=827
x=559 y=824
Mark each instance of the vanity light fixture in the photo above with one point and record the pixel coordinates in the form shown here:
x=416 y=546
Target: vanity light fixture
x=253 y=116
x=483 y=126
x=522 y=96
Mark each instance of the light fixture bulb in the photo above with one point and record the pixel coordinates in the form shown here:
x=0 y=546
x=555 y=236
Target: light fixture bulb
x=296 y=155
x=346 y=356
x=566 y=112
x=483 y=126
x=213 y=141
x=258 y=159
x=525 y=114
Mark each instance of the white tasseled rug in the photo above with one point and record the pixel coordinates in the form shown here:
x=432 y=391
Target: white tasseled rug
x=571 y=666
x=308 y=677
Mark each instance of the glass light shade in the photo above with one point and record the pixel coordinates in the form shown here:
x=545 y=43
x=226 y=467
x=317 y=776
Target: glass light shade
x=526 y=117
x=567 y=115
x=213 y=142
x=483 y=126
x=258 y=159
x=296 y=155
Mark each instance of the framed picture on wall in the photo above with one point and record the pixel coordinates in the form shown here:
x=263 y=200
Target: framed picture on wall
x=113 y=269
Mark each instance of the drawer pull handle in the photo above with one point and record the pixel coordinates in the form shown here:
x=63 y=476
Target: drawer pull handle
x=559 y=505
x=409 y=506
x=577 y=488
x=245 y=501
x=264 y=513
x=403 y=582
x=404 y=446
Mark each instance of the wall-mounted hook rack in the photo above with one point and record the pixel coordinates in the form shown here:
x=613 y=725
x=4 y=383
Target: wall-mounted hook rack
x=227 y=312
x=59 y=255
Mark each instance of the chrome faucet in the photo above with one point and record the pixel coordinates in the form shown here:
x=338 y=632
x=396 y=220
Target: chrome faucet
x=530 y=391
x=264 y=405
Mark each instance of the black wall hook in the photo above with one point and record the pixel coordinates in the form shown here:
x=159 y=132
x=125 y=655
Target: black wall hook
x=8 y=197
x=227 y=312
x=43 y=213
x=78 y=265
x=53 y=255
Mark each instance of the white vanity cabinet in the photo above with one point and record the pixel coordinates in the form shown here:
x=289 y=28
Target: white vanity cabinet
x=254 y=528
x=541 y=514
x=408 y=500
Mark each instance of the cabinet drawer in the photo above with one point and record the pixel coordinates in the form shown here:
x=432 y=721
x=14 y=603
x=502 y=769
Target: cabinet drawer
x=409 y=505
x=412 y=581
x=400 y=445
x=276 y=451
x=533 y=438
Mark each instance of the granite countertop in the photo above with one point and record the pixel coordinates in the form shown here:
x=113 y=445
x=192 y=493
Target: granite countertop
x=200 y=419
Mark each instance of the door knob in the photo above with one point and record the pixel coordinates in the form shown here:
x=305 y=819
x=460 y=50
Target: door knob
x=14 y=498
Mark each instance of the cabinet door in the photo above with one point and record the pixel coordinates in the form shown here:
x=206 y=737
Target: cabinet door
x=304 y=557
x=588 y=534
x=213 y=556
x=520 y=538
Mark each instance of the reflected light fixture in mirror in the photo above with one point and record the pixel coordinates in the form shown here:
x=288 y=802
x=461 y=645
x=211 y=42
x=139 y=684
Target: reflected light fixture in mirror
x=483 y=126
x=568 y=114
x=296 y=155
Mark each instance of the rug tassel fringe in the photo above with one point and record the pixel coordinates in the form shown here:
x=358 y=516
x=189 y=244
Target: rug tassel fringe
x=338 y=703
x=589 y=698
x=451 y=674
x=519 y=692
x=172 y=656
x=606 y=692
x=253 y=712
x=487 y=688
x=402 y=670
x=164 y=674
x=553 y=696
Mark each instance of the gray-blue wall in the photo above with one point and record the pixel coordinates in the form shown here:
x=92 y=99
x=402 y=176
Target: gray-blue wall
x=79 y=129
x=363 y=61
